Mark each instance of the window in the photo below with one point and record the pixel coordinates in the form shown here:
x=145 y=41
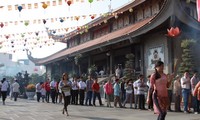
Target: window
x=120 y=23
x=147 y=11
x=115 y=25
x=155 y=8
x=139 y=15
x=126 y=20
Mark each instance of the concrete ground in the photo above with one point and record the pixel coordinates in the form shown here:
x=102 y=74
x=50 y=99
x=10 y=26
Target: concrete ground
x=31 y=110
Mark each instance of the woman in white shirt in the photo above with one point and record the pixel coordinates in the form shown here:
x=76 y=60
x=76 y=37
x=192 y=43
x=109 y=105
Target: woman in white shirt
x=65 y=86
x=4 y=89
x=129 y=93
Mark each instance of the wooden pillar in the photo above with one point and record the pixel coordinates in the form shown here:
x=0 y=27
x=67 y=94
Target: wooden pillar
x=142 y=69
x=73 y=67
x=111 y=62
x=170 y=47
x=89 y=60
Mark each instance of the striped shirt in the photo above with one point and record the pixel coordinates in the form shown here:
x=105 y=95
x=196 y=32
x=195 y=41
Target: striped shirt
x=89 y=85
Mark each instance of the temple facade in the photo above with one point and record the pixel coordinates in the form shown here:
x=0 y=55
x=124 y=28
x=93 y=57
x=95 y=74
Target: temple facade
x=139 y=27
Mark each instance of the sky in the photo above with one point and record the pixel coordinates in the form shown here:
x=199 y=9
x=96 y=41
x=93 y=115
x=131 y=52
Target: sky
x=76 y=9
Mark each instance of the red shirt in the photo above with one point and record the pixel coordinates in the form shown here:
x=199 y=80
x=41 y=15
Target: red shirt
x=47 y=86
x=95 y=87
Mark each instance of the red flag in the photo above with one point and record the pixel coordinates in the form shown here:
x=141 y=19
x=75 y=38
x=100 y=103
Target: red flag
x=198 y=10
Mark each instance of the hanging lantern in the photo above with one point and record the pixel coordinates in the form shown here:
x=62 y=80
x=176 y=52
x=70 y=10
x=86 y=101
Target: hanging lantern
x=44 y=5
x=173 y=32
x=1 y=25
x=116 y=16
x=90 y=1
x=26 y=23
x=61 y=20
x=7 y=36
x=69 y=2
x=36 y=33
x=44 y=21
x=20 y=8
x=131 y=10
x=105 y=21
x=92 y=17
x=77 y=18
x=78 y=28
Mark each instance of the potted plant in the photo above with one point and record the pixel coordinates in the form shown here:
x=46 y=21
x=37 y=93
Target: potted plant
x=30 y=91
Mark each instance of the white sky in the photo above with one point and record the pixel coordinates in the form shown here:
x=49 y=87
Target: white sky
x=75 y=9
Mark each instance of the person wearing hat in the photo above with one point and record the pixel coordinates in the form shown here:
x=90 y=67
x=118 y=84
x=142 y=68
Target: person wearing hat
x=177 y=93
x=15 y=89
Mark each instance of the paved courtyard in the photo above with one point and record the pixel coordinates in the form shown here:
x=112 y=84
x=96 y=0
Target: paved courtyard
x=31 y=110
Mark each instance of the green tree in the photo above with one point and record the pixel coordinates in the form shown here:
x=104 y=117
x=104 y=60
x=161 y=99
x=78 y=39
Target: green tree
x=129 y=71
x=187 y=62
x=36 y=78
x=77 y=62
x=91 y=71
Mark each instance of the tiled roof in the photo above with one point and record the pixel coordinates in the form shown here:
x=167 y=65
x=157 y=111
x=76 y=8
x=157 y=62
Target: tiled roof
x=98 y=41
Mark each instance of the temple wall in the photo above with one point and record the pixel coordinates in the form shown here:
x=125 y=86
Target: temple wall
x=155 y=45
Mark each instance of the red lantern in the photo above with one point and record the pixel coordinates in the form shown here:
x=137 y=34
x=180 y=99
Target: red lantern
x=1 y=25
x=92 y=17
x=7 y=36
x=173 y=32
x=44 y=5
x=69 y=2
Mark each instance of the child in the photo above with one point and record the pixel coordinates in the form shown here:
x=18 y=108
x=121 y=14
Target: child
x=43 y=93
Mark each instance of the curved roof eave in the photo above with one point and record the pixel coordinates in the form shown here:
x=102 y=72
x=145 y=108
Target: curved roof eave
x=169 y=8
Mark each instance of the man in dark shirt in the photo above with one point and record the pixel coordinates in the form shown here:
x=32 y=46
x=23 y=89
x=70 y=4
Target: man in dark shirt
x=123 y=95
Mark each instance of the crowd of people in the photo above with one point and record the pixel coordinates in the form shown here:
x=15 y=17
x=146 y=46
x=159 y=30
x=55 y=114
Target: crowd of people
x=157 y=91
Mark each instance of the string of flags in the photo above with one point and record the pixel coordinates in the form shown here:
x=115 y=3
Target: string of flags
x=47 y=37
x=45 y=4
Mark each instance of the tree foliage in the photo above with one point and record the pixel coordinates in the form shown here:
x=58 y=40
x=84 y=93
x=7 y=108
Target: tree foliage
x=129 y=71
x=187 y=62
